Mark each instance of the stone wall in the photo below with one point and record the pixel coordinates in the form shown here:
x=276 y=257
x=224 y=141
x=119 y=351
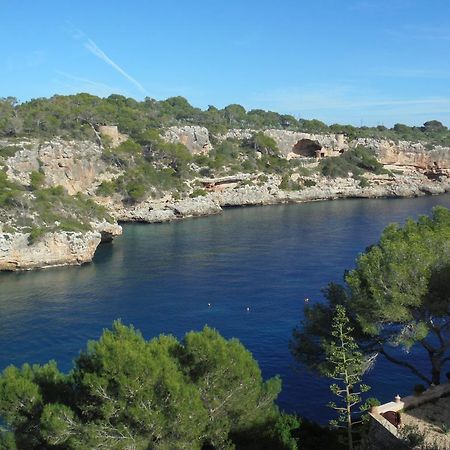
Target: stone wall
x=382 y=434
x=112 y=133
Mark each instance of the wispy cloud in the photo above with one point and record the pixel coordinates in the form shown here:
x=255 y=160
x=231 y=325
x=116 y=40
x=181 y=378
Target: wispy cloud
x=22 y=62
x=344 y=102
x=373 y=5
x=81 y=84
x=438 y=32
x=412 y=73
x=93 y=48
x=97 y=51
x=338 y=97
x=363 y=5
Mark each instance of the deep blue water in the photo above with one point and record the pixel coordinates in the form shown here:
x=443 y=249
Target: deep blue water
x=162 y=277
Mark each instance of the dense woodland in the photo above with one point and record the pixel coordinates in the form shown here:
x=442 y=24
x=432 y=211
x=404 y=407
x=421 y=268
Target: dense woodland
x=70 y=116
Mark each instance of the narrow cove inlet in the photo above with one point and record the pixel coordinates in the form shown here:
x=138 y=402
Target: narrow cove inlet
x=246 y=273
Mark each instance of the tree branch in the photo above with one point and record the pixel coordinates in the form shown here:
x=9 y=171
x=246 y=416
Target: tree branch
x=404 y=364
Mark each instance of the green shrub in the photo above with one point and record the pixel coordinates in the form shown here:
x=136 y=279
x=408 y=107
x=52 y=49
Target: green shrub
x=249 y=165
x=205 y=172
x=73 y=224
x=198 y=193
x=36 y=179
x=287 y=184
x=363 y=182
x=9 y=191
x=201 y=160
x=55 y=209
x=263 y=143
x=135 y=190
x=356 y=161
x=129 y=146
x=272 y=164
x=309 y=183
x=107 y=188
x=35 y=234
x=9 y=150
x=304 y=171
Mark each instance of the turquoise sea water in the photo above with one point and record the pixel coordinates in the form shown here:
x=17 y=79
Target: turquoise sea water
x=162 y=277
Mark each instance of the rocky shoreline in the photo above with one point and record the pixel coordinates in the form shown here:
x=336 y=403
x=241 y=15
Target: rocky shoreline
x=70 y=248
x=412 y=184
x=79 y=167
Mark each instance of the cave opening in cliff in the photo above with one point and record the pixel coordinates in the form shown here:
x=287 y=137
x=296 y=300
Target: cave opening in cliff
x=307 y=148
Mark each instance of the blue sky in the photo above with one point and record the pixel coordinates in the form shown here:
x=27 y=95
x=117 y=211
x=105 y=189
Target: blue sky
x=365 y=62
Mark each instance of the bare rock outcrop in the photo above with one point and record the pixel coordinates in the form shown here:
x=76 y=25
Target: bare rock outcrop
x=166 y=209
x=287 y=140
x=107 y=230
x=75 y=165
x=53 y=249
x=195 y=138
x=412 y=154
x=79 y=167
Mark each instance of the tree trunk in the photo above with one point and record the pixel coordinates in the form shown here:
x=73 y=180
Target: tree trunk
x=435 y=370
x=349 y=418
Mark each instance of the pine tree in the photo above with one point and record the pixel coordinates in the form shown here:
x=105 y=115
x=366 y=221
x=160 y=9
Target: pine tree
x=346 y=366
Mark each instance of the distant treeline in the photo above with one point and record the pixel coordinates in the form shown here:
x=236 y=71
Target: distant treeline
x=72 y=116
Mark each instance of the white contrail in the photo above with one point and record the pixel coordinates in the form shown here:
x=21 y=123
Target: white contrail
x=95 y=50
x=97 y=86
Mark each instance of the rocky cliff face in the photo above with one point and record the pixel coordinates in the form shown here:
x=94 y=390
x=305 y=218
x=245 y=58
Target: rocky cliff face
x=195 y=138
x=54 y=249
x=404 y=153
x=79 y=167
x=408 y=184
x=287 y=140
x=75 y=165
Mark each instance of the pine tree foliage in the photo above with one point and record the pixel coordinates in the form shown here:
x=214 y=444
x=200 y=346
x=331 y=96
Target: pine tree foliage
x=125 y=392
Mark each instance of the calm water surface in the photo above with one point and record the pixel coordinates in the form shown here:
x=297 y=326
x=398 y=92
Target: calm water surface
x=162 y=277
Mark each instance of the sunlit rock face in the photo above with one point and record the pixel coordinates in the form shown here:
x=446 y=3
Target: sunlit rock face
x=195 y=138
x=404 y=153
x=53 y=249
x=78 y=166
x=74 y=165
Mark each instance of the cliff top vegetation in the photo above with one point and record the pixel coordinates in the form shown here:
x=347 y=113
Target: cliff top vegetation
x=71 y=116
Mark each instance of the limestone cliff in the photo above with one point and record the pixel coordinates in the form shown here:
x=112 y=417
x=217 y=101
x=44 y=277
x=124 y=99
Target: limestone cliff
x=404 y=153
x=54 y=249
x=75 y=165
x=195 y=138
x=80 y=167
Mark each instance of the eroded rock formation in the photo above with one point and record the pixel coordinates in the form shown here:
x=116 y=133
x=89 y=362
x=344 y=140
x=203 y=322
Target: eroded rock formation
x=79 y=167
x=53 y=249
